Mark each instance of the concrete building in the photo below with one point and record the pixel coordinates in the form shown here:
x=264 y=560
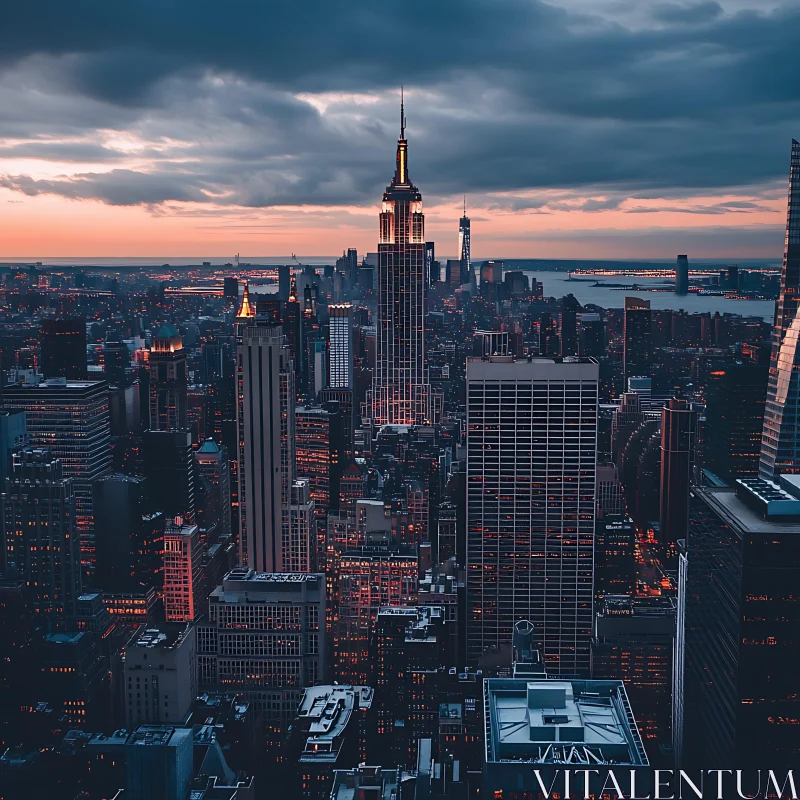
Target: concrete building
x=300 y=548
x=266 y=427
x=160 y=674
x=332 y=730
x=264 y=639
x=537 y=730
x=184 y=583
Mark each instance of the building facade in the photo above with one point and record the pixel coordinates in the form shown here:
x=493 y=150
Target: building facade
x=400 y=391
x=780 y=444
x=531 y=463
x=266 y=433
x=264 y=639
x=340 y=357
x=70 y=418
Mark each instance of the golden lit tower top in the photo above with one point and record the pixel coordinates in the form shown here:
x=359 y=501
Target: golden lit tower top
x=246 y=310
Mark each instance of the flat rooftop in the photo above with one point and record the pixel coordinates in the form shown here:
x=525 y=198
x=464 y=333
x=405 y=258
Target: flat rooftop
x=560 y=722
x=329 y=710
x=740 y=515
x=164 y=635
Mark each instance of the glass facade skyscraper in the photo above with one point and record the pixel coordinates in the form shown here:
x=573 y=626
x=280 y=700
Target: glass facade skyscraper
x=780 y=442
x=400 y=391
x=531 y=470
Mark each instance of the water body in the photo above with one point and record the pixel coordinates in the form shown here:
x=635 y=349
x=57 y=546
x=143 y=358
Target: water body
x=556 y=284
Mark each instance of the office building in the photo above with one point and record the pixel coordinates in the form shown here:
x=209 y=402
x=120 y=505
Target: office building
x=184 y=580
x=464 y=247
x=37 y=519
x=230 y=288
x=682 y=276
x=213 y=465
x=410 y=644
x=70 y=418
x=169 y=466
x=544 y=728
x=400 y=391
x=74 y=679
x=609 y=491
x=780 y=447
x=634 y=641
x=265 y=640
x=267 y=433
x=299 y=550
x=332 y=730
x=615 y=564
x=284 y=282
x=637 y=355
x=531 y=461
x=168 y=381
x=160 y=674
x=63 y=343
x=116 y=363
x=130 y=545
x=678 y=433
x=742 y=567
x=313 y=454
x=373 y=782
x=13 y=435
x=591 y=335
x=734 y=417
x=340 y=357
x=367 y=579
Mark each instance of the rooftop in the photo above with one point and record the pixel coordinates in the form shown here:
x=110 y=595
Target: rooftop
x=165 y=635
x=560 y=722
x=742 y=516
x=329 y=710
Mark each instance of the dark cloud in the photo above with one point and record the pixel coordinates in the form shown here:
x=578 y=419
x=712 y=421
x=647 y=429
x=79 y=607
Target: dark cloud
x=505 y=96
x=687 y=14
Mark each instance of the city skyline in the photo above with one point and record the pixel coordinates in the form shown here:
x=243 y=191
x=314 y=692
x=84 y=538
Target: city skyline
x=123 y=159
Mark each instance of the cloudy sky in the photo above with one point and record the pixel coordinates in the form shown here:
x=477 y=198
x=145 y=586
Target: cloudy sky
x=576 y=128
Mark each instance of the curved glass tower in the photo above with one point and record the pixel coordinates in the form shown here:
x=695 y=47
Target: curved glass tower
x=780 y=441
x=400 y=393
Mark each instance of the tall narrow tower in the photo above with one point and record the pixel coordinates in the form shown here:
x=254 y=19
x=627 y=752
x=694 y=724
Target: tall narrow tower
x=780 y=440
x=463 y=247
x=400 y=393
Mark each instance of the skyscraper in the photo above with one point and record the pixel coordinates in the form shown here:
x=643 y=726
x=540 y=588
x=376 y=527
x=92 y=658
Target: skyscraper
x=300 y=545
x=340 y=370
x=37 y=527
x=64 y=348
x=780 y=444
x=742 y=568
x=531 y=461
x=168 y=381
x=678 y=429
x=463 y=246
x=71 y=419
x=264 y=639
x=400 y=392
x=682 y=275
x=183 y=572
x=637 y=349
x=267 y=434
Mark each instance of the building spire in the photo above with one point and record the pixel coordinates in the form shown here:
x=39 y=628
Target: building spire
x=401 y=173
x=402 y=115
x=465 y=205
x=246 y=310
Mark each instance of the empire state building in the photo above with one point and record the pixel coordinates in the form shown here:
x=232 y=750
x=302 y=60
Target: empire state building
x=400 y=392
